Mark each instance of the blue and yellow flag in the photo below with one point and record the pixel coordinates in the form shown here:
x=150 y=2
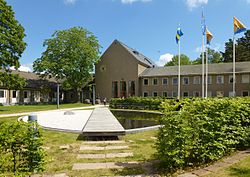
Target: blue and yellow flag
x=209 y=36
x=238 y=26
x=178 y=35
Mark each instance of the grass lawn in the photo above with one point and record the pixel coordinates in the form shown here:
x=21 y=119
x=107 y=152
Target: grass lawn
x=31 y=108
x=240 y=169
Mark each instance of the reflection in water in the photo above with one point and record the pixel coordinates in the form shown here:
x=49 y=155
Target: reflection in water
x=131 y=120
x=129 y=123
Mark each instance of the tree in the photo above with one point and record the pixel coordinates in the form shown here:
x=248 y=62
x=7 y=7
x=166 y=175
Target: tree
x=174 y=62
x=70 y=56
x=242 y=49
x=11 y=47
x=213 y=57
x=11 y=38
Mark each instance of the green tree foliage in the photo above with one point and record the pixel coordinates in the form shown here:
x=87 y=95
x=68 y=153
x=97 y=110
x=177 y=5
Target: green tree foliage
x=213 y=57
x=11 y=47
x=242 y=49
x=11 y=37
x=185 y=60
x=204 y=130
x=20 y=149
x=70 y=56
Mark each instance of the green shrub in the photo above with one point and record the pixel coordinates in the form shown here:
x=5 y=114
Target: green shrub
x=20 y=148
x=203 y=131
x=144 y=103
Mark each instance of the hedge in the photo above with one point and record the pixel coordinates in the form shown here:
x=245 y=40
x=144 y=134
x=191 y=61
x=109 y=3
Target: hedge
x=204 y=130
x=138 y=103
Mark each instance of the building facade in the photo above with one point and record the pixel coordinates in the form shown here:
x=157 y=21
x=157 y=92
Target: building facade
x=124 y=72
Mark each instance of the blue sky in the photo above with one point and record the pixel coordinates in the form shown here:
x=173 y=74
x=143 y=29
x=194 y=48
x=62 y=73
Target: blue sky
x=146 y=25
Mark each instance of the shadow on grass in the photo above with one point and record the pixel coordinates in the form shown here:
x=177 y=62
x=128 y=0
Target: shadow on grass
x=237 y=171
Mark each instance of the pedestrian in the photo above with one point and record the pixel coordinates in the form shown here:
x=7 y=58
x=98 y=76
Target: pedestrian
x=105 y=101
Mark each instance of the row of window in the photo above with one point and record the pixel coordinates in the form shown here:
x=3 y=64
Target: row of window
x=187 y=94
x=196 y=80
x=3 y=94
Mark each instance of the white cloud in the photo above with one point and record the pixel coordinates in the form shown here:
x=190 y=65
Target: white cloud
x=132 y=1
x=164 y=59
x=24 y=67
x=196 y=3
x=70 y=1
x=248 y=1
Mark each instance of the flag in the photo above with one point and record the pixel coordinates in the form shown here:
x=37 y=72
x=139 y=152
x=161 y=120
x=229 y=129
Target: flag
x=238 y=26
x=178 y=35
x=209 y=36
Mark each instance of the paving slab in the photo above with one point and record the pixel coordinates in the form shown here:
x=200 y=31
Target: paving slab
x=201 y=172
x=187 y=175
x=102 y=156
x=99 y=148
x=104 y=142
x=54 y=175
x=107 y=165
x=64 y=147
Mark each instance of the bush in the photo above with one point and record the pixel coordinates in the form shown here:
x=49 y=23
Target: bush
x=203 y=131
x=144 y=103
x=20 y=148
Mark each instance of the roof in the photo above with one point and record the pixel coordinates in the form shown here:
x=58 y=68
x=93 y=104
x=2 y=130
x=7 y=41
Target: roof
x=218 y=68
x=140 y=57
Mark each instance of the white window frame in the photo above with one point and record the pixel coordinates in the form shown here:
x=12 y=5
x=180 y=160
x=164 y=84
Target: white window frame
x=209 y=80
x=154 y=80
x=183 y=80
x=4 y=94
x=244 y=81
x=222 y=79
x=229 y=79
x=13 y=94
x=175 y=93
x=164 y=95
x=173 y=81
x=144 y=81
x=199 y=80
x=153 y=94
x=163 y=80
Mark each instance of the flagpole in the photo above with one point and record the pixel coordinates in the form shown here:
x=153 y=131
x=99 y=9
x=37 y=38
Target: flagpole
x=234 y=78
x=202 y=76
x=206 y=72
x=179 y=70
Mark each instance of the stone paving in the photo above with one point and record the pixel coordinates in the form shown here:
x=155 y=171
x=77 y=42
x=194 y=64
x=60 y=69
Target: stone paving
x=99 y=148
x=102 y=156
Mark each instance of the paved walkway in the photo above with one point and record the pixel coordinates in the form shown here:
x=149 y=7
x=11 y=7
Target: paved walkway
x=54 y=110
x=218 y=165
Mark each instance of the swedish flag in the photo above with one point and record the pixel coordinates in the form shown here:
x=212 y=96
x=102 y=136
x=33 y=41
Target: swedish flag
x=238 y=26
x=178 y=35
x=209 y=36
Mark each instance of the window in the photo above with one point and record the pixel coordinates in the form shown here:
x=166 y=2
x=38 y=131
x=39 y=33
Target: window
x=2 y=94
x=25 y=94
x=175 y=81
x=185 y=81
x=131 y=88
x=145 y=81
x=174 y=94
x=209 y=79
x=197 y=79
x=145 y=94
x=165 y=94
x=220 y=79
x=185 y=94
x=115 y=89
x=230 y=79
x=245 y=78
x=165 y=81
x=123 y=89
x=219 y=93
x=196 y=94
x=155 y=81
x=155 y=94
x=245 y=93
x=14 y=94
x=209 y=94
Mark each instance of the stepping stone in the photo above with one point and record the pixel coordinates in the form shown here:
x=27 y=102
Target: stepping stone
x=64 y=147
x=187 y=175
x=104 y=142
x=153 y=138
x=107 y=165
x=131 y=141
x=99 y=148
x=142 y=139
x=45 y=147
x=102 y=156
